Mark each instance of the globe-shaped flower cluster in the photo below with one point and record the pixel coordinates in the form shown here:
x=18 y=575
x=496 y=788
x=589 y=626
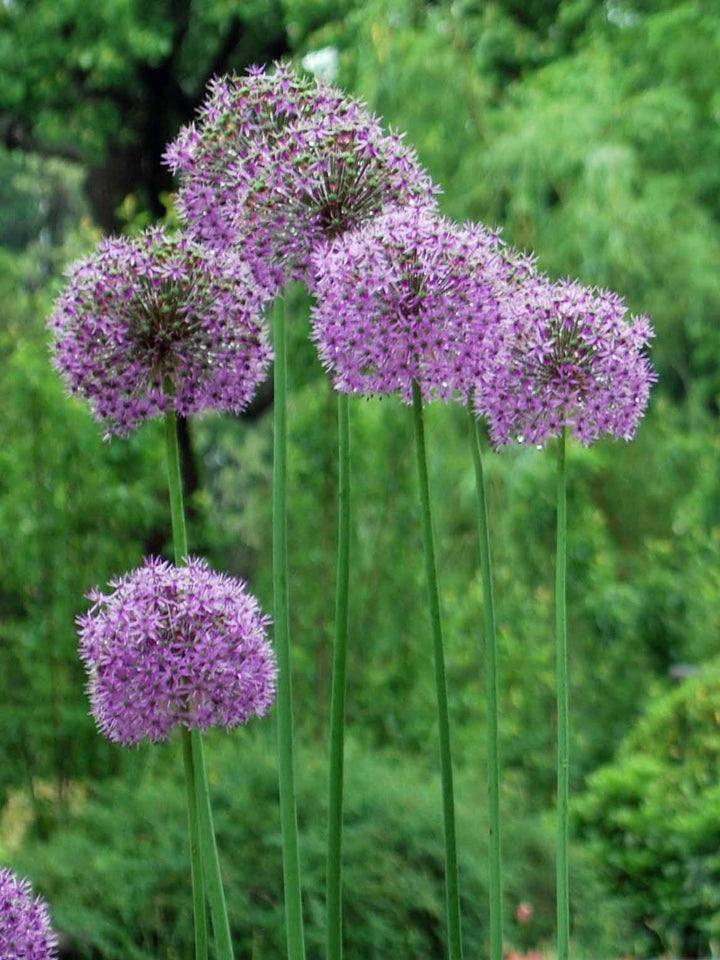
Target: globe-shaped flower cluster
x=280 y=164
x=412 y=297
x=570 y=358
x=25 y=931
x=156 y=323
x=175 y=647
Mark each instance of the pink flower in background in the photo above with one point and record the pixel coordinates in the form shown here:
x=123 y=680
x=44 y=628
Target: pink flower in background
x=524 y=912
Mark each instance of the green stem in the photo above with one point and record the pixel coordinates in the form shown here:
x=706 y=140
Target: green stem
x=563 y=772
x=286 y=763
x=177 y=509
x=198 y=894
x=211 y=861
x=452 y=894
x=203 y=849
x=491 y=681
x=180 y=547
x=337 y=711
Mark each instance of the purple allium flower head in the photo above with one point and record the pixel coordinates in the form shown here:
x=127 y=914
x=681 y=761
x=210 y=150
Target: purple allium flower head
x=411 y=296
x=25 y=932
x=279 y=163
x=568 y=358
x=156 y=323
x=175 y=647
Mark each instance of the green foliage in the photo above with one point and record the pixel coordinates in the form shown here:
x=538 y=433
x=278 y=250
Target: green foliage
x=587 y=130
x=128 y=840
x=652 y=819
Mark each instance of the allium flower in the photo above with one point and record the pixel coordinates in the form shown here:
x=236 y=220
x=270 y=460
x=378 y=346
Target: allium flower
x=25 y=932
x=569 y=358
x=157 y=323
x=175 y=647
x=411 y=296
x=280 y=163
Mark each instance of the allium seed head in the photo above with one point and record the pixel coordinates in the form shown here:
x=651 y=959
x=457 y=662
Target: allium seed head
x=175 y=647
x=156 y=323
x=568 y=358
x=25 y=932
x=411 y=296
x=279 y=163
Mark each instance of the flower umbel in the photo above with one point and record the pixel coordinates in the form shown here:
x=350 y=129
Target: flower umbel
x=157 y=323
x=411 y=296
x=569 y=358
x=175 y=647
x=25 y=932
x=280 y=163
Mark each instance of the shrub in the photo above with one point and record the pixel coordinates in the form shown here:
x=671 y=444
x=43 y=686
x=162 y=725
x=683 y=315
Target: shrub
x=117 y=876
x=653 y=821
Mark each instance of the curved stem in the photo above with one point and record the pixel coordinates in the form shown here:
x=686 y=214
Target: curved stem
x=563 y=770
x=451 y=871
x=180 y=548
x=337 y=711
x=203 y=848
x=211 y=861
x=286 y=762
x=198 y=893
x=491 y=681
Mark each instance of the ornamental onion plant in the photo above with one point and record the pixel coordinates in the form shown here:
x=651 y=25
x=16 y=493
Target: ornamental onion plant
x=407 y=305
x=25 y=930
x=150 y=326
x=570 y=364
x=279 y=165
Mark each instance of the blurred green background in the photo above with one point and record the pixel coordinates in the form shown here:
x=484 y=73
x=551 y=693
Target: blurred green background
x=590 y=132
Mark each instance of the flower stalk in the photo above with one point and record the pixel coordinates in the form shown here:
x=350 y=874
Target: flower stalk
x=286 y=761
x=491 y=681
x=563 y=734
x=337 y=710
x=205 y=864
x=452 y=894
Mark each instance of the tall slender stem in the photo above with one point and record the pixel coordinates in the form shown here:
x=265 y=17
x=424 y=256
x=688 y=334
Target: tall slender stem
x=180 y=548
x=563 y=748
x=198 y=892
x=211 y=861
x=491 y=682
x=206 y=877
x=177 y=508
x=337 y=711
x=286 y=762
x=452 y=894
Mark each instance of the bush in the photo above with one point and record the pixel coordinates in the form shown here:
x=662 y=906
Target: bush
x=653 y=821
x=118 y=877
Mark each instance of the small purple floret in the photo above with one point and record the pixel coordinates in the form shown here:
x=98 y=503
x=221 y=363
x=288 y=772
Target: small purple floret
x=279 y=163
x=25 y=932
x=411 y=296
x=155 y=323
x=175 y=647
x=569 y=358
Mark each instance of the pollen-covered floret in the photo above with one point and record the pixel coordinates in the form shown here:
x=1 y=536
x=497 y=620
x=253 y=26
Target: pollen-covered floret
x=175 y=647
x=279 y=163
x=25 y=931
x=160 y=322
x=412 y=296
x=570 y=357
